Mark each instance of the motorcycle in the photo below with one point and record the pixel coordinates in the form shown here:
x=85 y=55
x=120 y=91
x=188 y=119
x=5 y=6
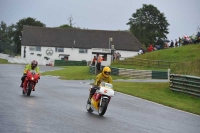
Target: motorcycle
x=101 y=98
x=30 y=82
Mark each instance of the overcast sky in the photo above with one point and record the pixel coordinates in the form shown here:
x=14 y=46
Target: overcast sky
x=182 y=15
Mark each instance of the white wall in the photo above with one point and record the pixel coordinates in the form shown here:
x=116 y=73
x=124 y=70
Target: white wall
x=73 y=52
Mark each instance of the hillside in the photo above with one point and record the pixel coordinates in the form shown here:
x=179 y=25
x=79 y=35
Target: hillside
x=187 y=58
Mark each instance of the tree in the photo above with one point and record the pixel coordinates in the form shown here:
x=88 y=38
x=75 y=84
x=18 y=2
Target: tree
x=70 y=21
x=148 y=24
x=6 y=37
x=65 y=26
x=19 y=29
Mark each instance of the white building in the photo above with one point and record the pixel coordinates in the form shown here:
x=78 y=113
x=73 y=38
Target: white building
x=41 y=43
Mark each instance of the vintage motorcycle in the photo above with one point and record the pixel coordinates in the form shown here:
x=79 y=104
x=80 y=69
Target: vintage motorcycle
x=30 y=82
x=100 y=100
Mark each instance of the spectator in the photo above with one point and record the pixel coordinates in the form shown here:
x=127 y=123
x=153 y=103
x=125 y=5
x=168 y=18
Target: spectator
x=176 y=43
x=150 y=48
x=98 y=65
x=118 y=55
x=114 y=56
x=171 y=44
x=140 y=51
x=94 y=61
x=180 y=42
x=155 y=48
x=166 y=45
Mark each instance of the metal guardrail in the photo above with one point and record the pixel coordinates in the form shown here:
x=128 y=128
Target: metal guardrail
x=135 y=74
x=186 y=84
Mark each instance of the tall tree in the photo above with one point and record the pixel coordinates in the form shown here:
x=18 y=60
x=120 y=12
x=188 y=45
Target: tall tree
x=19 y=29
x=148 y=24
x=6 y=37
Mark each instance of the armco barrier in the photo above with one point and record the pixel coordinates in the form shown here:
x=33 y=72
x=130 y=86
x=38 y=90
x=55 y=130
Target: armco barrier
x=135 y=74
x=186 y=84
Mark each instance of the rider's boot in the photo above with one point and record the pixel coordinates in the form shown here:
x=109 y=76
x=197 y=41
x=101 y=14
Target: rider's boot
x=21 y=85
x=89 y=99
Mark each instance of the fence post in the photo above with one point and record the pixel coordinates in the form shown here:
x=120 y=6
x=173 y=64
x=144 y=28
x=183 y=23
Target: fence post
x=168 y=74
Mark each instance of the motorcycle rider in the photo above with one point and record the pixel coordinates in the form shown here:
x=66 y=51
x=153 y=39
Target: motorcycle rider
x=32 y=66
x=104 y=76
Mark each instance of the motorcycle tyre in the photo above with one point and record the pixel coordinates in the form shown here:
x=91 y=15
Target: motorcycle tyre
x=103 y=107
x=88 y=107
x=30 y=86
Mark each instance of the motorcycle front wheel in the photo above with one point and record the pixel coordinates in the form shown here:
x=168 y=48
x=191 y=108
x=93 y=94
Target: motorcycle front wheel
x=103 y=106
x=30 y=86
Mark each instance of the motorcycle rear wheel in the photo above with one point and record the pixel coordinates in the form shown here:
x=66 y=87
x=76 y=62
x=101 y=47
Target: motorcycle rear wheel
x=30 y=86
x=103 y=107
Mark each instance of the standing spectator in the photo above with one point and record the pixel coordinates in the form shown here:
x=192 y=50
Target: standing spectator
x=98 y=65
x=114 y=56
x=94 y=61
x=118 y=55
x=180 y=42
x=176 y=43
x=171 y=44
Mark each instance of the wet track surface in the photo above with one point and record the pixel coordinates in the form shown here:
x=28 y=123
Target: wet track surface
x=58 y=106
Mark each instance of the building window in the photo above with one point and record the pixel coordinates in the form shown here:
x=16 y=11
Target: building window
x=82 y=50
x=34 y=48
x=59 y=49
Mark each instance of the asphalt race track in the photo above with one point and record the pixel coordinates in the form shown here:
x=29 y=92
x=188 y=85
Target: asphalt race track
x=58 y=106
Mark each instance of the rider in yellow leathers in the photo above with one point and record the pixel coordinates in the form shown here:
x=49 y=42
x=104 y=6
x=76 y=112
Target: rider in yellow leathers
x=104 y=76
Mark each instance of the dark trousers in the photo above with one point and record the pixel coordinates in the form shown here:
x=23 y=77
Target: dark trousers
x=23 y=78
x=93 y=90
x=98 y=66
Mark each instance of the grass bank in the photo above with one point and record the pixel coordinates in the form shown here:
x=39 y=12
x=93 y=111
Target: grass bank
x=187 y=58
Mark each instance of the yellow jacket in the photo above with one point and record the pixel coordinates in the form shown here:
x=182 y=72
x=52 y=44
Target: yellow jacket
x=28 y=67
x=100 y=78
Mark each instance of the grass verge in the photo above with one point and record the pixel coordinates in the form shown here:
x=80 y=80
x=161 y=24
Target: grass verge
x=160 y=93
x=3 y=61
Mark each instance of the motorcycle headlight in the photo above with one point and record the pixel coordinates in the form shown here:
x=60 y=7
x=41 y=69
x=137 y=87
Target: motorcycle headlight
x=32 y=78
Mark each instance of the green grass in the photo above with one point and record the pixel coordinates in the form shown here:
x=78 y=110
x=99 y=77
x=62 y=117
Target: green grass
x=3 y=61
x=160 y=93
x=156 y=92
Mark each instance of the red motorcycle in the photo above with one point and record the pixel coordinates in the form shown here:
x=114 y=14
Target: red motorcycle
x=30 y=82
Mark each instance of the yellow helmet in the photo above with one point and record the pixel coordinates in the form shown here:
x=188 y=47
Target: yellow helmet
x=106 y=71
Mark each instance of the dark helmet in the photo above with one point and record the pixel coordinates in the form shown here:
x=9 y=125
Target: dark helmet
x=106 y=71
x=34 y=64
